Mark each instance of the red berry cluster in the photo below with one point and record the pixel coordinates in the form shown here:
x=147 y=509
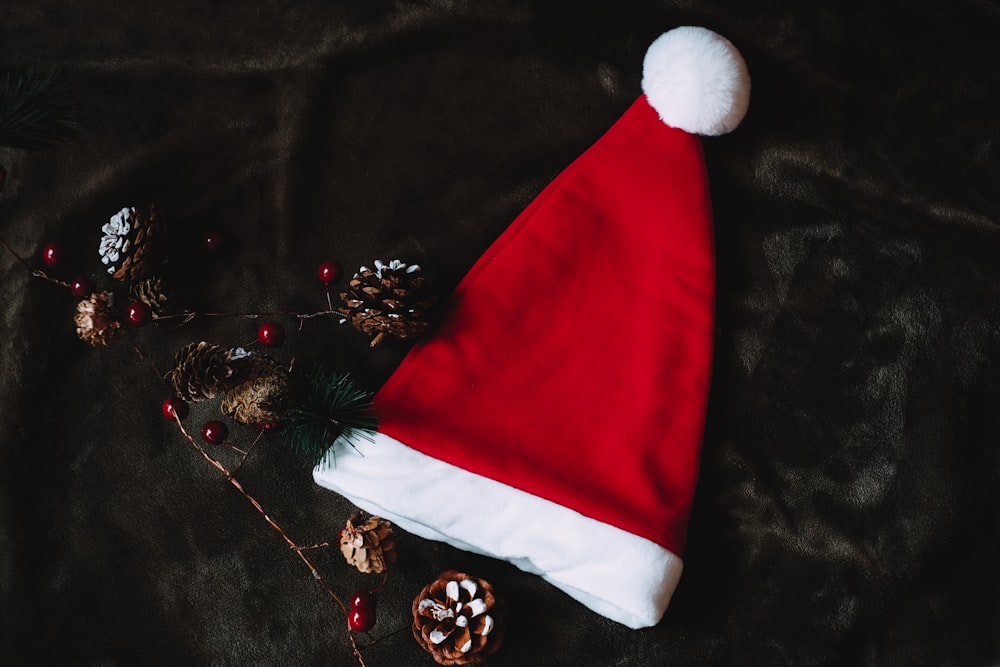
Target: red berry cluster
x=54 y=256
x=361 y=616
x=270 y=334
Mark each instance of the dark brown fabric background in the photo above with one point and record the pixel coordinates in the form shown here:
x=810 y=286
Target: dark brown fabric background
x=846 y=512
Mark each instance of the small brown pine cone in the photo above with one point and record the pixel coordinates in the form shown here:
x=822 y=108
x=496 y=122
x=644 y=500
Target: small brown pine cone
x=202 y=371
x=260 y=400
x=368 y=545
x=96 y=323
x=391 y=299
x=152 y=292
x=458 y=619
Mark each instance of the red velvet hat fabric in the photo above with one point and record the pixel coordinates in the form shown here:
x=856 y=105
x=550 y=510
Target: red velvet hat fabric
x=574 y=360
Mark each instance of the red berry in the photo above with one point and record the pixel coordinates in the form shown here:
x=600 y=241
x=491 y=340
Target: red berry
x=214 y=432
x=361 y=619
x=53 y=255
x=81 y=287
x=138 y=313
x=330 y=272
x=271 y=334
x=175 y=406
x=214 y=240
x=363 y=599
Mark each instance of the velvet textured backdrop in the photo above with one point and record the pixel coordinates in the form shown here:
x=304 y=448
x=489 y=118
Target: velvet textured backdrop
x=845 y=511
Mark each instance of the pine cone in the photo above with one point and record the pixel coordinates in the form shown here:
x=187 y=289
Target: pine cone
x=134 y=240
x=458 y=620
x=202 y=371
x=151 y=292
x=95 y=321
x=393 y=299
x=263 y=399
x=368 y=545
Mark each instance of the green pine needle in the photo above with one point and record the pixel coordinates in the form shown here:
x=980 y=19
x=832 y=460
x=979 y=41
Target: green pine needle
x=331 y=407
x=36 y=110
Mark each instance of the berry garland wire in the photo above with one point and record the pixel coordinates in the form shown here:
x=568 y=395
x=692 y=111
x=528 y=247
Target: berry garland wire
x=333 y=407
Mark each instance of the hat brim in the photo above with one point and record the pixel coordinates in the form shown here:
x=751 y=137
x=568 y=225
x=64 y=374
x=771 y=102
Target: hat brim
x=620 y=575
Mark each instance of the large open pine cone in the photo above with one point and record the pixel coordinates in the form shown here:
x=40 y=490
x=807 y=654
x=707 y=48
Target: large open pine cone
x=263 y=399
x=203 y=370
x=392 y=299
x=457 y=619
x=132 y=243
x=368 y=545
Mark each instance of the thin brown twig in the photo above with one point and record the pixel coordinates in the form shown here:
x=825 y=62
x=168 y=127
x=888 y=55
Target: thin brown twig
x=228 y=474
x=235 y=449
x=247 y=452
x=291 y=364
x=189 y=315
x=277 y=528
x=152 y=364
x=395 y=632
x=38 y=273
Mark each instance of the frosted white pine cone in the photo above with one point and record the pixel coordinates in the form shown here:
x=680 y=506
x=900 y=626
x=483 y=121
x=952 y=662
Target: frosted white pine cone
x=458 y=619
x=115 y=242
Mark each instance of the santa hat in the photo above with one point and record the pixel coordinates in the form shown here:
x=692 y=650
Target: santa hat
x=555 y=418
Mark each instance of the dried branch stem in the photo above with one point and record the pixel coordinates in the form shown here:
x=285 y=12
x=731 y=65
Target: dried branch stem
x=35 y=272
x=189 y=315
x=299 y=550
x=185 y=317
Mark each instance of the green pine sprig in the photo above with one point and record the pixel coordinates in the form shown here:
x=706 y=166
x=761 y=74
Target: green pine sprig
x=36 y=108
x=330 y=406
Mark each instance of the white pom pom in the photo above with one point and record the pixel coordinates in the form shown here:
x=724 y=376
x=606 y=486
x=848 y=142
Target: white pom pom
x=696 y=80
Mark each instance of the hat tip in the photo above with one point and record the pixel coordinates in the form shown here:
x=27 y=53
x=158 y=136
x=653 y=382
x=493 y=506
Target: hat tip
x=697 y=81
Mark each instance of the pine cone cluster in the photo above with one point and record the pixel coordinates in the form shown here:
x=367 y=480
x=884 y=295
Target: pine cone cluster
x=393 y=299
x=95 y=320
x=368 y=545
x=458 y=619
x=263 y=399
x=203 y=370
x=131 y=245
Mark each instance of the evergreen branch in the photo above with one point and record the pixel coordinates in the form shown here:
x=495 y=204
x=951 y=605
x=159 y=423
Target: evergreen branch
x=332 y=407
x=36 y=109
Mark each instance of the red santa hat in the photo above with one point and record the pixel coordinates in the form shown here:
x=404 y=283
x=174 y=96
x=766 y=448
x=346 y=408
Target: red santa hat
x=555 y=418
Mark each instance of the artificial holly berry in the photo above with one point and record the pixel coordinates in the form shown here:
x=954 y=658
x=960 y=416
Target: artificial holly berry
x=175 y=406
x=81 y=287
x=271 y=334
x=53 y=255
x=214 y=240
x=361 y=619
x=138 y=314
x=214 y=432
x=363 y=599
x=330 y=273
